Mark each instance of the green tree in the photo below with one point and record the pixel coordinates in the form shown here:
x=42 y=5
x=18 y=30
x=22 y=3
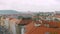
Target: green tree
x=20 y=17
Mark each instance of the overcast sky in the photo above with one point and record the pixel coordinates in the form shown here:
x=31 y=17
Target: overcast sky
x=30 y=5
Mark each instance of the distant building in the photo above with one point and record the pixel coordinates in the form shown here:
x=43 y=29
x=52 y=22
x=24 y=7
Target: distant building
x=57 y=12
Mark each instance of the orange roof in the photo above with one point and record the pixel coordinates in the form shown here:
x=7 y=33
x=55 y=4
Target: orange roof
x=31 y=29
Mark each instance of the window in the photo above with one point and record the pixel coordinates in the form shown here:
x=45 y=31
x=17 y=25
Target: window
x=57 y=19
x=22 y=29
x=37 y=24
x=49 y=19
x=47 y=25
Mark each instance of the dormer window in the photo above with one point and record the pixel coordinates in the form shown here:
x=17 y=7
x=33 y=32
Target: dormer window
x=38 y=23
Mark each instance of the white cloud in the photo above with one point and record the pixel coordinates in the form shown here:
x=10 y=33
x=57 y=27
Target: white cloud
x=30 y=5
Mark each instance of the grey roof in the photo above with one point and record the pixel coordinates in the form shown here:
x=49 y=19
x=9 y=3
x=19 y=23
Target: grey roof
x=8 y=12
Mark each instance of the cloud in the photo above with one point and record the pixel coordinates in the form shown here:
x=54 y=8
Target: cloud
x=30 y=5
